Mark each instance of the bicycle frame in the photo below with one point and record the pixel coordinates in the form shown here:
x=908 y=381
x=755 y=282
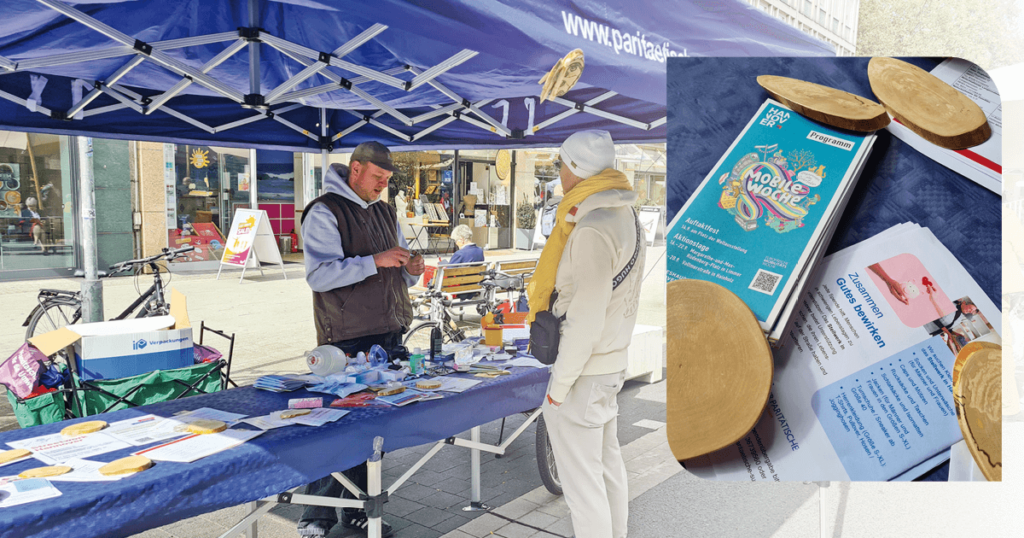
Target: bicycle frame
x=155 y=292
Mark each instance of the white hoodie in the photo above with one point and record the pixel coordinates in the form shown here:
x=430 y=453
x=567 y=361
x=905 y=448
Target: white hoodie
x=599 y=322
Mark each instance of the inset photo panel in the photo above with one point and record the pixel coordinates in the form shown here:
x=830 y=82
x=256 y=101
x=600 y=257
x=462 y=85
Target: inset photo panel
x=834 y=246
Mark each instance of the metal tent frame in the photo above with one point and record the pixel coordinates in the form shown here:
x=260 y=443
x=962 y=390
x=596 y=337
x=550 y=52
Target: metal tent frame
x=284 y=97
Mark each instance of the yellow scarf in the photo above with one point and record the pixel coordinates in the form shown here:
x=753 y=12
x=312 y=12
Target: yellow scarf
x=543 y=281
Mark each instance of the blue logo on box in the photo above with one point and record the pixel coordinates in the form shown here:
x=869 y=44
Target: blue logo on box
x=139 y=344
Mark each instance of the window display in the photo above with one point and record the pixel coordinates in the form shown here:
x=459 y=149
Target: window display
x=36 y=228
x=209 y=184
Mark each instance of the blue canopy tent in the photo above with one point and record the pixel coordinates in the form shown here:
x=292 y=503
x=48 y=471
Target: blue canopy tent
x=326 y=75
x=312 y=75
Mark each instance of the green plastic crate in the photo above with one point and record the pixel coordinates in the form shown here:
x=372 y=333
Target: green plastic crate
x=152 y=387
x=43 y=409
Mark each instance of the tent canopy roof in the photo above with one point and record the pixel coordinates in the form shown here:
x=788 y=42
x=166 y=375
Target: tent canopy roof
x=458 y=73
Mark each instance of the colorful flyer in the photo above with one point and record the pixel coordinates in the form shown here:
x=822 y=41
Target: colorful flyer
x=757 y=218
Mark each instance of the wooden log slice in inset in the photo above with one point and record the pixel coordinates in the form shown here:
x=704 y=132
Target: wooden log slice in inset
x=978 y=396
x=967 y=351
x=926 y=105
x=719 y=368
x=827 y=105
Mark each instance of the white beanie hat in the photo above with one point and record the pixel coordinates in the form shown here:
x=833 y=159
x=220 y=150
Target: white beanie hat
x=588 y=152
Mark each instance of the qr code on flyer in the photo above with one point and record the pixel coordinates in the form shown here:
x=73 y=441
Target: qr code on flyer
x=765 y=282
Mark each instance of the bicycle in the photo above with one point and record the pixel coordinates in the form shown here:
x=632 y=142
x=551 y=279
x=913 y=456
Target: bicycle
x=497 y=281
x=439 y=316
x=60 y=308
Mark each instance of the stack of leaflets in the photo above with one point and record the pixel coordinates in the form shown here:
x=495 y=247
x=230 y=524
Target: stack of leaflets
x=408 y=397
x=761 y=219
x=281 y=383
x=863 y=385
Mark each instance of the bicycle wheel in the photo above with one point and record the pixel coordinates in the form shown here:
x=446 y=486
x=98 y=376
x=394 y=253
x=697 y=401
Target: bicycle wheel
x=419 y=336
x=53 y=314
x=546 y=459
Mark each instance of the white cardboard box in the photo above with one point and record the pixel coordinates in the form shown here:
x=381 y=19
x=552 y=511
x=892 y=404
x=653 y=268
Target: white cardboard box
x=116 y=349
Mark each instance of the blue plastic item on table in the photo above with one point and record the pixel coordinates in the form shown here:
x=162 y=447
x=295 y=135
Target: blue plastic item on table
x=274 y=462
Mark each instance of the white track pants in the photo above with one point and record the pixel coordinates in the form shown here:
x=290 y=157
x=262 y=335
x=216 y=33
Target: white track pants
x=583 y=432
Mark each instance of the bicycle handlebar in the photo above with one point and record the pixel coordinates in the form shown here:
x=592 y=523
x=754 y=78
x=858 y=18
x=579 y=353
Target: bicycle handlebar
x=167 y=254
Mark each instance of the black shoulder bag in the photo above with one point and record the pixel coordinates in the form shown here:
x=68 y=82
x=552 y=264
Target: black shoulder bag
x=545 y=331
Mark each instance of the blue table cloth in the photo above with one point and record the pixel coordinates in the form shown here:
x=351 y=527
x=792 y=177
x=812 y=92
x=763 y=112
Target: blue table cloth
x=275 y=461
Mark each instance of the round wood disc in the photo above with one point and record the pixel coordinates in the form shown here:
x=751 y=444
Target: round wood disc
x=563 y=76
x=83 y=428
x=127 y=465
x=827 y=105
x=503 y=164
x=719 y=368
x=979 y=407
x=924 y=104
x=206 y=426
x=43 y=472
x=15 y=454
x=966 y=351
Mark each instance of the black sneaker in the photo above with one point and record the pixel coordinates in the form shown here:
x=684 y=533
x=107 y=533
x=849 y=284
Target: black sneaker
x=312 y=530
x=361 y=522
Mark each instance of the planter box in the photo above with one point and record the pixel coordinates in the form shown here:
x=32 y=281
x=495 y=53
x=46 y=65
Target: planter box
x=524 y=238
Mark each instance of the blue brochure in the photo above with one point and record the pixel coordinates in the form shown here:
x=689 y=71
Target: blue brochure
x=763 y=214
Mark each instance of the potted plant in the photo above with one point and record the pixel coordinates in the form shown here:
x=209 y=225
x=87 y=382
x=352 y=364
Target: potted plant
x=526 y=221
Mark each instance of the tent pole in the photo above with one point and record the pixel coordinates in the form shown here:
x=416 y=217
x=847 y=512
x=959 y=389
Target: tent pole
x=92 y=288
x=254 y=50
x=324 y=154
x=253 y=196
x=512 y=199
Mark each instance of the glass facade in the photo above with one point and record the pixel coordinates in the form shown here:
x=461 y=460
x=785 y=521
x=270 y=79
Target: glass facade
x=37 y=236
x=204 y=187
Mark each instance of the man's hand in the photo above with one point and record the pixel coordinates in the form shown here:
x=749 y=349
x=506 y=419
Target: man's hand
x=553 y=402
x=395 y=257
x=416 y=265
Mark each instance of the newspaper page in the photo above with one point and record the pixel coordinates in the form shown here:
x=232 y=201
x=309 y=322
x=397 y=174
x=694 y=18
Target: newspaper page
x=863 y=385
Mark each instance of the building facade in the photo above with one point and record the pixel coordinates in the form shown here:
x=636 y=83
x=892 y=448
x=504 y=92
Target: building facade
x=832 y=21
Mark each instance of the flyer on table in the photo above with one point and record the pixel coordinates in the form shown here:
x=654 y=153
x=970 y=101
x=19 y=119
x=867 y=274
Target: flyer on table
x=863 y=384
x=757 y=216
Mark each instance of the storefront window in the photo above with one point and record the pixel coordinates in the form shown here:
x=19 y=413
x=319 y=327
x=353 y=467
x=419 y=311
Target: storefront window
x=36 y=204
x=209 y=184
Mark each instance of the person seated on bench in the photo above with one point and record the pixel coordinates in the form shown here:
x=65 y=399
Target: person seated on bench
x=468 y=252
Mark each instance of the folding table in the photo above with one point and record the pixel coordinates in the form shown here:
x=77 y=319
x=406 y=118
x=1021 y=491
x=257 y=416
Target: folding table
x=275 y=462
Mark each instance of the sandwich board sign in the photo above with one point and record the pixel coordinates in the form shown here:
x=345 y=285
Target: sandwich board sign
x=250 y=243
x=653 y=222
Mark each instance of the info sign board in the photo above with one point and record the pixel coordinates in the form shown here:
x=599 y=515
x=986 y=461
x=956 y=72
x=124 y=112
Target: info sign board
x=250 y=243
x=652 y=219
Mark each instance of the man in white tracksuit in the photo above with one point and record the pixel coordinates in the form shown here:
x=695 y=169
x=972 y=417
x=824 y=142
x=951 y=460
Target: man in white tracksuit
x=581 y=408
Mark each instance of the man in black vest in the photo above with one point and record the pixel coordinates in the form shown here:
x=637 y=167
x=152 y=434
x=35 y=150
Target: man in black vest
x=360 y=268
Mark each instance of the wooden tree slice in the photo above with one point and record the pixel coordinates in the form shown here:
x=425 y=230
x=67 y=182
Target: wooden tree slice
x=924 y=104
x=719 y=368
x=827 y=105
x=967 y=351
x=979 y=407
x=126 y=465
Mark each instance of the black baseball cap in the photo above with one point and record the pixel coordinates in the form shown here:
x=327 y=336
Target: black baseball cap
x=376 y=153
